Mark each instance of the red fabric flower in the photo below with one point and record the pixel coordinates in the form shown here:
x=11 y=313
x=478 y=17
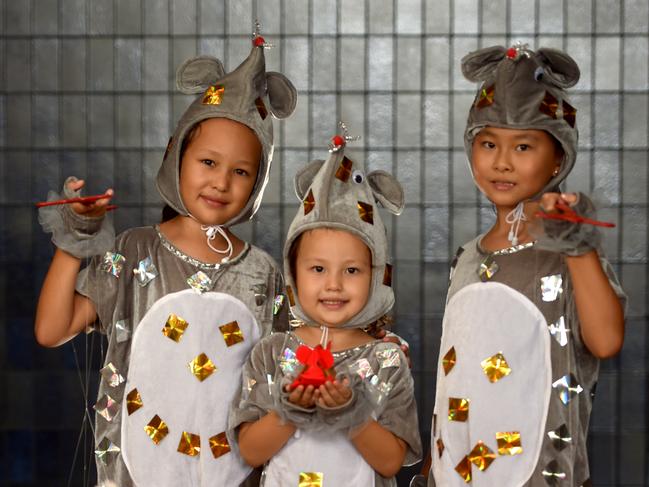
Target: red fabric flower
x=318 y=366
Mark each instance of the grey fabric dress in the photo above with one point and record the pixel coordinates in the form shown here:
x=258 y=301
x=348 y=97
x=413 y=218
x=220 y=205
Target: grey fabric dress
x=157 y=330
x=515 y=382
x=378 y=371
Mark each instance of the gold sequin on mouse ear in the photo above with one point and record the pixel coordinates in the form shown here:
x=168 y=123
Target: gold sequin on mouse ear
x=311 y=479
x=569 y=113
x=261 y=108
x=190 y=444
x=549 y=105
x=219 y=445
x=156 y=429
x=214 y=95
x=344 y=170
x=486 y=97
x=366 y=212
x=309 y=202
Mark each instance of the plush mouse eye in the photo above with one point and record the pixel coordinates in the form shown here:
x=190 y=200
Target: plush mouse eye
x=358 y=177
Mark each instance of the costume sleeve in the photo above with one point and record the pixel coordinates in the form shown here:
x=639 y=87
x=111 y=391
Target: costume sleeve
x=399 y=415
x=105 y=281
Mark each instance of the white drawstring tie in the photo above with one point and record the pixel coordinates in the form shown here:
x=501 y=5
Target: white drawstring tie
x=514 y=218
x=211 y=231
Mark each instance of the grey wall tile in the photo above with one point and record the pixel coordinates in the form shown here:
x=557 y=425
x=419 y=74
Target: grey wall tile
x=296 y=17
x=46 y=20
x=14 y=182
x=18 y=60
x=636 y=58
x=463 y=188
x=128 y=177
x=580 y=49
x=352 y=18
x=292 y=161
x=155 y=122
x=409 y=173
x=101 y=120
x=325 y=22
x=438 y=17
x=269 y=14
x=607 y=16
x=461 y=106
x=605 y=50
x=634 y=235
x=297 y=126
x=17 y=16
x=634 y=282
x=45 y=68
x=73 y=121
x=156 y=16
x=239 y=17
x=324 y=64
x=45 y=121
x=407 y=237
x=212 y=17
x=182 y=49
x=580 y=176
x=129 y=17
x=128 y=64
x=129 y=121
x=407 y=283
x=352 y=64
x=150 y=166
x=465 y=16
x=607 y=174
x=101 y=64
x=436 y=234
x=580 y=16
x=156 y=75
x=409 y=67
x=551 y=17
x=636 y=13
x=73 y=16
x=101 y=16
x=464 y=225
x=184 y=20
x=19 y=121
x=380 y=52
x=607 y=121
x=522 y=17
x=634 y=177
x=436 y=118
x=73 y=65
x=634 y=120
x=380 y=113
x=324 y=119
x=381 y=16
x=436 y=167
x=409 y=18
x=494 y=17
x=461 y=47
x=409 y=111
x=437 y=63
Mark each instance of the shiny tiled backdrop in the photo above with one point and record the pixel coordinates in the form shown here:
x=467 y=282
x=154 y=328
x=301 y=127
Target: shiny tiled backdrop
x=86 y=88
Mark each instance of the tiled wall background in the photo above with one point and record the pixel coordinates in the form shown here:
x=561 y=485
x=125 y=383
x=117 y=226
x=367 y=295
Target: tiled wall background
x=86 y=88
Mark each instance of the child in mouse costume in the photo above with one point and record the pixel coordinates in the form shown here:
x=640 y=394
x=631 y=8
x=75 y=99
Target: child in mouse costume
x=180 y=323
x=529 y=311
x=326 y=403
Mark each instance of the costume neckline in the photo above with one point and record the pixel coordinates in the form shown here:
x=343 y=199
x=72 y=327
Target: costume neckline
x=166 y=243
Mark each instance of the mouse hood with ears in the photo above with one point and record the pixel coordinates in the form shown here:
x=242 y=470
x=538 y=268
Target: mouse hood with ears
x=337 y=194
x=524 y=89
x=248 y=95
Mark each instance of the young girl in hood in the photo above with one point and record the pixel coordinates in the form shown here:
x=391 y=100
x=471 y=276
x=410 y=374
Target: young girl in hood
x=326 y=403
x=532 y=304
x=181 y=303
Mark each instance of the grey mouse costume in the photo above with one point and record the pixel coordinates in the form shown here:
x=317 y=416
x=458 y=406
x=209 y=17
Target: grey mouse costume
x=179 y=330
x=335 y=194
x=515 y=382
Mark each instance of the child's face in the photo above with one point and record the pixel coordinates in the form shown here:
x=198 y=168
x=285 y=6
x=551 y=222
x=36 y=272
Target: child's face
x=218 y=170
x=333 y=274
x=510 y=166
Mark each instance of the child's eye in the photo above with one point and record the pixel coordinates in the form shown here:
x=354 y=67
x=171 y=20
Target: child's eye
x=241 y=172
x=353 y=270
x=522 y=147
x=208 y=162
x=317 y=268
x=488 y=145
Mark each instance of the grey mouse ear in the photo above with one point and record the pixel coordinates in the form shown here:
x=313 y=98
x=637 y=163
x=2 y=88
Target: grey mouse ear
x=197 y=74
x=479 y=65
x=387 y=191
x=282 y=95
x=305 y=176
x=559 y=68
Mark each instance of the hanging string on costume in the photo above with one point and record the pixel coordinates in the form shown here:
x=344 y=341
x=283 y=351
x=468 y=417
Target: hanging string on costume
x=514 y=218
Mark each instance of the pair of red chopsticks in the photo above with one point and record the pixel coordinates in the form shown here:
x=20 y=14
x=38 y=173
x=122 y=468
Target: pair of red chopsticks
x=567 y=214
x=85 y=200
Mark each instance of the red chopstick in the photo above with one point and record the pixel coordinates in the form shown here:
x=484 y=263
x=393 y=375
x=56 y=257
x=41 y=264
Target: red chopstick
x=566 y=213
x=82 y=199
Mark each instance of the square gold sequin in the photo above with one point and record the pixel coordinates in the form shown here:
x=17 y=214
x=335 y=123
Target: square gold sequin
x=481 y=456
x=486 y=96
x=214 y=95
x=464 y=469
x=174 y=327
x=458 y=409
x=448 y=361
x=133 y=401
x=156 y=429
x=309 y=202
x=202 y=367
x=344 y=170
x=509 y=443
x=219 y=445
x=311 y=479
x=366 y=212
x=495 y=367
x=190 y=444
x=549 y=105
x=569 y=113
x=232 y=334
